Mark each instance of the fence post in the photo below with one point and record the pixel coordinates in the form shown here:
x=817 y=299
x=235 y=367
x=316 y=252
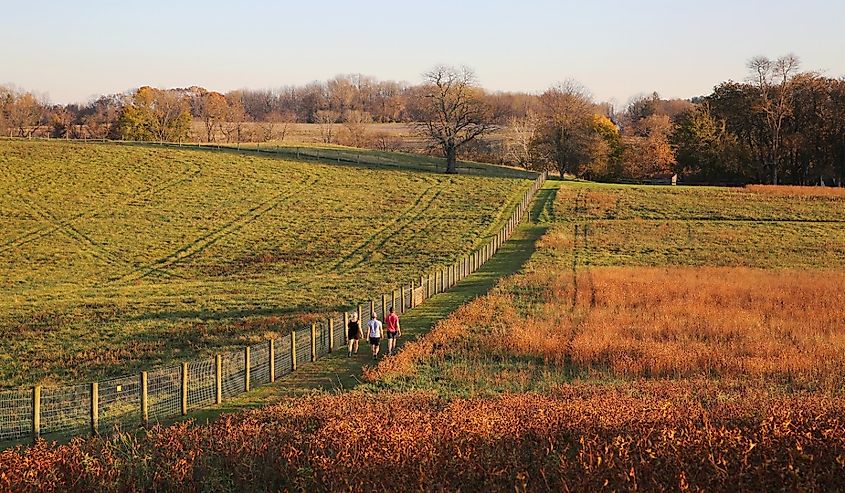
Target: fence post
x=442 y=280
x=293 y=350
x=145 y=409
x=372 y=309
x=393 y=301
x=384 y=306
x=313 y=341
x=402 y=310
x=36 y=412
x=345 y=329
x=271 y=348
x=95 y=408
x=218 y=379
x=360 y=318
x=331 y=335
x=184 y=389
x=246 y=368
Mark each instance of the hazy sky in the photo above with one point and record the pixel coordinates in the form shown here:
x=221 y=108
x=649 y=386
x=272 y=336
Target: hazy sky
x=74 y=50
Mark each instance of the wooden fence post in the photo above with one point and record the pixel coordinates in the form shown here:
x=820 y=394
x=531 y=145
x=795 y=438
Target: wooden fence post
x=345 y=328
x=293 y=350
x=403 y=300
x=361 y=318
x=184 y=389
x=95 y=408
x=393 y=301
x=145 y=409
x=36 y=412
x=272 y=353
x=218 y=379
x=247 y=366
x=384 y=307
x=313 y=341
x=331 y=335
x=372 y=309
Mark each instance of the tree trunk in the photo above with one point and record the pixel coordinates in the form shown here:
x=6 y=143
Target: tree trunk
x=451 y=160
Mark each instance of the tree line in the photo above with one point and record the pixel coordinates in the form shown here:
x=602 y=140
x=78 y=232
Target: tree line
x=779 y=125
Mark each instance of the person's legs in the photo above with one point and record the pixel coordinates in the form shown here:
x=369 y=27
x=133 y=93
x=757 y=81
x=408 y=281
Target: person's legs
x=349 y=343
x=391 y=343
x=355 y=346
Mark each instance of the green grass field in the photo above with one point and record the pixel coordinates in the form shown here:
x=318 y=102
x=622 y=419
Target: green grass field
x=118 y=257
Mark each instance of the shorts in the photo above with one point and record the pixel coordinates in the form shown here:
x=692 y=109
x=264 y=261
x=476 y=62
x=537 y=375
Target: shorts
x=352 y=335
x=375 y=340
x=392 y=335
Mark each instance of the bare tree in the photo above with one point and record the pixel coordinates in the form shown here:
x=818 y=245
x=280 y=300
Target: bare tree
x=326 y=121
x=356 y=124
x=213 y=111
x=565 y=138
x=521 y=133
x=452 y=111
x=25 y=113
x=772 y=79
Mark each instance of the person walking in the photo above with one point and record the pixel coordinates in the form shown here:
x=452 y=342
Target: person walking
x=374 y=334
x=353 y=334
x=393 y=331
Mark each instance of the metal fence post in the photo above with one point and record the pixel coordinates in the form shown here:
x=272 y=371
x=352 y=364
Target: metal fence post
x=36 y=412
x=145 y=410
x=184 y=398
x=218 y=379
x=95 y=408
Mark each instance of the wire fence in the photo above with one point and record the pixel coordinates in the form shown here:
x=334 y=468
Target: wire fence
x=164 y=393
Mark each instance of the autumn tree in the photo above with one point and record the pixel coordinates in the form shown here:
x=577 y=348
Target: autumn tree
x=24 y=113
x=155 y=114
x=705 y=149
x=451 y=111
x=566 y=139
x=648 y=153
x=213 y=109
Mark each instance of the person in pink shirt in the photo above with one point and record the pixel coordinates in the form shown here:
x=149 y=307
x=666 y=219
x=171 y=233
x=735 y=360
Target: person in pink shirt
x=393 y=331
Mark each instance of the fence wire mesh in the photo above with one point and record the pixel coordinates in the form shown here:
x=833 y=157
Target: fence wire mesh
x=164 y=393
x=259 y=364
x=283 y=361
x=119 y=401
x=67 y=410
x=15 y=414
x=202 y=386
x=233 y=375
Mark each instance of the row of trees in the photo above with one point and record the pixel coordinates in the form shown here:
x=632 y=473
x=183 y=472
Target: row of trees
x=779 y=125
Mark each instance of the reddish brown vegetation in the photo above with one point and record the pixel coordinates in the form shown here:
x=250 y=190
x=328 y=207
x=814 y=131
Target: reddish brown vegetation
x=779 y=326
x=796 y=191
x=669 y=437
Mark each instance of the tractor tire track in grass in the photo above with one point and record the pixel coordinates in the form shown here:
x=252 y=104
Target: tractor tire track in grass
x=359 y=253
x=53 y=224
x=198 y=245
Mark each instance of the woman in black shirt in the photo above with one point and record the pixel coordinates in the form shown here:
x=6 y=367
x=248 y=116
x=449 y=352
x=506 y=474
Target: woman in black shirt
x=353 y=333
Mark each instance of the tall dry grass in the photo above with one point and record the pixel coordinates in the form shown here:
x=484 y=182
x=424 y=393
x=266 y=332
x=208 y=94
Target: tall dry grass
x=781 y=327
x=796 y=191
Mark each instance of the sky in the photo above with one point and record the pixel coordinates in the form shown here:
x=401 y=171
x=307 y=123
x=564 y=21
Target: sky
x=73 y=51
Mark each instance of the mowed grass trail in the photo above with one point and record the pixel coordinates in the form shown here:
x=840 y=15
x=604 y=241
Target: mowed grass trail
x=116 y=257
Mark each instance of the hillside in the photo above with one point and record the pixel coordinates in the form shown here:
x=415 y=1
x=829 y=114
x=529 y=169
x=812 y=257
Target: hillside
x=120 y=257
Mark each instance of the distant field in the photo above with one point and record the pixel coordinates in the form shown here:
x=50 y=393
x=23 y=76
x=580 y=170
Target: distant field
x=737 y=286
x=119 y=257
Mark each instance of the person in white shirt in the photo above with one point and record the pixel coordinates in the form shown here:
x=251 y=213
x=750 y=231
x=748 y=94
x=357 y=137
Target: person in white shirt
x=374 y=333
